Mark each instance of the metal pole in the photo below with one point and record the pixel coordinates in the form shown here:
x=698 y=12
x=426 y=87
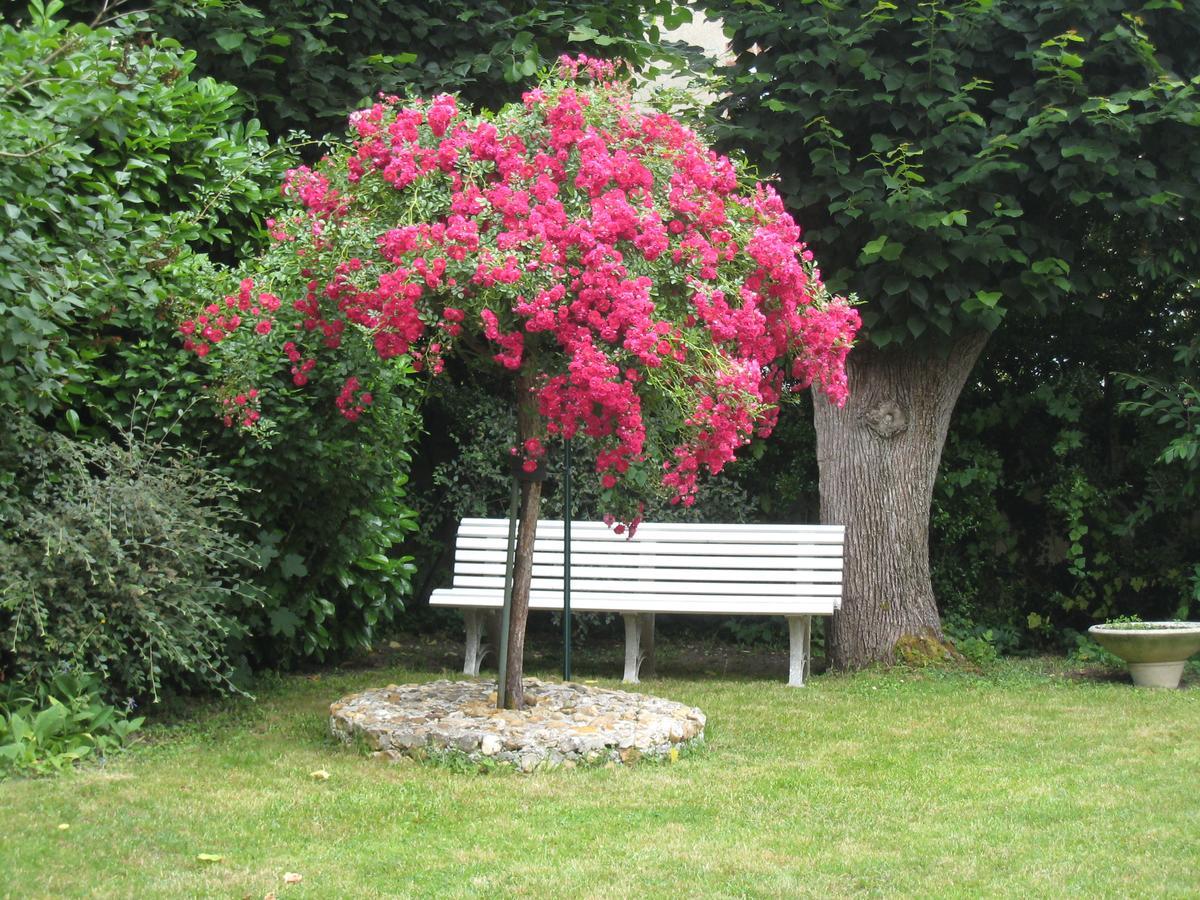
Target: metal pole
x=567 y=560
x=506 y=615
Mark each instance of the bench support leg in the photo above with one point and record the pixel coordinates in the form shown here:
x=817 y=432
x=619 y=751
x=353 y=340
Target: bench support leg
x=633 y=634
x=800 y=638
x=475 y=651
x=648 y=645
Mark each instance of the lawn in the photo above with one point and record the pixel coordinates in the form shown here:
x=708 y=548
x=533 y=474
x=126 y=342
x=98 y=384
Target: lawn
x=1025 y=781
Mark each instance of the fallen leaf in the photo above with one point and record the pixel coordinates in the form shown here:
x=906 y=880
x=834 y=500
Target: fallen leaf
x=209 y=857
x=394 y=645
x=270 y=896
x=319 y=775
x=292 y=877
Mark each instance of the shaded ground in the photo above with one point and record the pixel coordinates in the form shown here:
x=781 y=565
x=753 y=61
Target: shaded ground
x=685 y=657
x=600 y=657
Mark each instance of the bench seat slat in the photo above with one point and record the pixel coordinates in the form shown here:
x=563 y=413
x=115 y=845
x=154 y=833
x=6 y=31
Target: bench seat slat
x=631 y=586
x=623 y=603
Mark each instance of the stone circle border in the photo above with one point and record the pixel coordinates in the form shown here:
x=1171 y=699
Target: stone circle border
x=564 y=723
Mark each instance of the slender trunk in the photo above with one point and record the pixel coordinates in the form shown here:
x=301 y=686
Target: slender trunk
x=528 y=426
x=878 y=458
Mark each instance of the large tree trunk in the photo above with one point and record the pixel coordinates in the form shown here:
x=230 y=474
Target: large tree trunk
x=528 y=426
x=878 y=458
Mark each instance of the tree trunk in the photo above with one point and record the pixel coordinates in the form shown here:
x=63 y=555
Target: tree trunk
x=528 y=426
x=878 y=457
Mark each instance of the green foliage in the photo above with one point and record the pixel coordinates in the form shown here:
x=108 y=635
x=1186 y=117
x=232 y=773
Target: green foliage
x=334 y=577
x=59 y=723
x=1122 y=620
x=119 y=559
x=1083 y=651
x=1050 y=512
x=780 y=475
x=329 y=495
x=303 y=64
x=982 y=646
x=116 y=163
x=136 y=166
x=952 y=158
x=755 y=631
x=1176 y=406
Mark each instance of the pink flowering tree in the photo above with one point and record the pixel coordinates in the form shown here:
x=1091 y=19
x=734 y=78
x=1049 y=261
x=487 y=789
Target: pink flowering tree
x=651 y=300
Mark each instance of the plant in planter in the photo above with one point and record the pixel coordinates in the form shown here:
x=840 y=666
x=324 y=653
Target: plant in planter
x=1154 y=651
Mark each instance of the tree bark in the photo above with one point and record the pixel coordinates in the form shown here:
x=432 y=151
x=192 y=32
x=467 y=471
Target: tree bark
x=528 y=426
x=878 y=458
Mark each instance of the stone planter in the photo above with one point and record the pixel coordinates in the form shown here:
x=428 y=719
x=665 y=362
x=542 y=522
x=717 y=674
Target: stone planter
x=1154 y=651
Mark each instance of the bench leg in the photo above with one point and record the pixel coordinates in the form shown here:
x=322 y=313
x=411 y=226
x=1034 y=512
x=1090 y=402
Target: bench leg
x=800 y=638
x=474 y=619
x=633 y=634
x=648 y=645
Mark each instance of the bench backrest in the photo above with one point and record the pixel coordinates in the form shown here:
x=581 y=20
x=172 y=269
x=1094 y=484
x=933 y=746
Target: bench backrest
x=667 y=567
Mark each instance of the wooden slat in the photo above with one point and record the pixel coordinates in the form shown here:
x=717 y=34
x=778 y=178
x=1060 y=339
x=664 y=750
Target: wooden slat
x=594 y=557
x=682 y=533
x=655 y=573
x=630 y=586
x=635 y=547
x=683 y=603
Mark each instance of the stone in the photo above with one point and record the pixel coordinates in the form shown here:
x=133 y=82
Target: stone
x=466 y=742
x=564 y=724
x=490 y=745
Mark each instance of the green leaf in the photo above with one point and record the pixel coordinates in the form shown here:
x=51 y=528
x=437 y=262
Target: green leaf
x=891 y=251
x=284 y=622
x=292 y=566
x=229 y=40
x=989 y=298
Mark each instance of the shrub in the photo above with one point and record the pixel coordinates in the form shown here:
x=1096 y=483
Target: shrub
x=122 y=170
x=118 y=559
x=116 y=167
x=331 y=501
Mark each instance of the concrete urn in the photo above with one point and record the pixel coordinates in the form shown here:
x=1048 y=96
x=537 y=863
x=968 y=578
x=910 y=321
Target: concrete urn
x=1154 y=651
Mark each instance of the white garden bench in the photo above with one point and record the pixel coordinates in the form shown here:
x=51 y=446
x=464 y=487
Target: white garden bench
x=745 y=570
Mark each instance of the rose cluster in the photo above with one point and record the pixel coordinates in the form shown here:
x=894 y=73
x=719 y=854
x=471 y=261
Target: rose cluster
x=604 y=248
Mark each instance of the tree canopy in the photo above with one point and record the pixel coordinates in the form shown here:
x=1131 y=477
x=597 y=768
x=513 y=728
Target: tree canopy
x=957 y=163
x=956 y=160
x=302 y=64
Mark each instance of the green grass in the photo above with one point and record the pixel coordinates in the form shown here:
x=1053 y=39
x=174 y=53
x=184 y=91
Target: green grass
x=1019 y=783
